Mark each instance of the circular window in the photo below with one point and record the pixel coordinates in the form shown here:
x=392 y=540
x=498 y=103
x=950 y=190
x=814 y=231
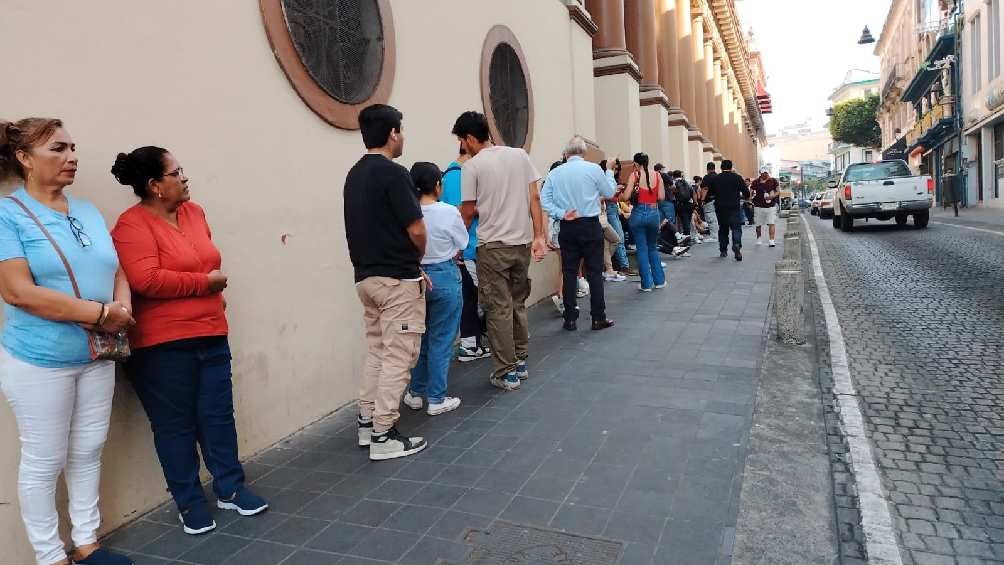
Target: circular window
x=337 y=54
x=505 y=89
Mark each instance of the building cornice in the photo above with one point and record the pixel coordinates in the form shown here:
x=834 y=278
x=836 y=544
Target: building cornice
x=577 y=12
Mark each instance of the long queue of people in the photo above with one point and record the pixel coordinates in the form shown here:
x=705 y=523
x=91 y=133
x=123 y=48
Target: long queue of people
x=436 y=255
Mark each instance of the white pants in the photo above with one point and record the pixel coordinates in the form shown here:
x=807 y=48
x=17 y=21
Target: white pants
x=711 y=219
x=62 y=417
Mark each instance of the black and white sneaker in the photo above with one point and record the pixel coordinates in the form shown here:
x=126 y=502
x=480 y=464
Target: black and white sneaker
x=391 y=445
x=365 y=431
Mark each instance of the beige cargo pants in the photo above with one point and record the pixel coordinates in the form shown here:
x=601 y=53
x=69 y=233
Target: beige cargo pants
x=394 y=318
x=503 y=287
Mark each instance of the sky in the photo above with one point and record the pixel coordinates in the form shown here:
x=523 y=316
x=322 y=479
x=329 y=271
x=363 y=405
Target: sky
x=807 y=47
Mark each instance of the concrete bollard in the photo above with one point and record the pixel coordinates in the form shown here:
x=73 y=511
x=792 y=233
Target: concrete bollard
x=793 y=248
x=789 y=298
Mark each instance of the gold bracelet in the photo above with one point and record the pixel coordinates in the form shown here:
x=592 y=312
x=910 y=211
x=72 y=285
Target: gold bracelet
x=104 y=314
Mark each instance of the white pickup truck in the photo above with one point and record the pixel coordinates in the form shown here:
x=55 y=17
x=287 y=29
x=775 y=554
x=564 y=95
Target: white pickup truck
x=885 y=190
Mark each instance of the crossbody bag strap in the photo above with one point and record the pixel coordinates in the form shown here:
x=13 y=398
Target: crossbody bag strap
x=66 y=264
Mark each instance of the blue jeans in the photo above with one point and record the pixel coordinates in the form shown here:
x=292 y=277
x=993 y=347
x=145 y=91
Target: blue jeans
x=645 y=227
x=620 y=258
x=443 y=304
x=186 y=390
x=667 y=210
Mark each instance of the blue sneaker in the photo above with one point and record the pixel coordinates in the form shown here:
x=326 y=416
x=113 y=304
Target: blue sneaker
x=197 y=520
x=245 y=502
x=508 y=382
x=102 y=556
x=521 y=371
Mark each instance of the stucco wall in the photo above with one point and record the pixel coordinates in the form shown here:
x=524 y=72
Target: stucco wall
x=199 y=78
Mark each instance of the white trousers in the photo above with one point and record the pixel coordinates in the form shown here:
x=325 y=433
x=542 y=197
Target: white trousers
x=62 y=418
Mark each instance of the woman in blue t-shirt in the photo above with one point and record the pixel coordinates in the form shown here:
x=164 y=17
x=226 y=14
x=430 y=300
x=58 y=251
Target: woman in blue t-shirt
x=61 y=398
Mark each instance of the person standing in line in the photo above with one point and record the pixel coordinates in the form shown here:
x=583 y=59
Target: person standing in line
x=729 y=191
x=472 y=321
x=386 y=237
x=708 y=202
x=572 y=192
x=447 y=237
x=667 y=207
x=684 y=202
x=619 y=256
x=764 y=190
x=748 y=204
x=180 y=364
x=61 y=397
x=646 y=190
x=499 y=187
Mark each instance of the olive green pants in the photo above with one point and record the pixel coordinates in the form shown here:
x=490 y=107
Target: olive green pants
x=503 y=287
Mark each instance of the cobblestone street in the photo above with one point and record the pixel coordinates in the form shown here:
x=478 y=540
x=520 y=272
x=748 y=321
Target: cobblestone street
x=628 y=444
x=922 y=314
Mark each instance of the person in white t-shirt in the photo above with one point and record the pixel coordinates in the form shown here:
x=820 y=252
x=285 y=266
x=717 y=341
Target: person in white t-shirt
x=499 y=186
x=447 y=237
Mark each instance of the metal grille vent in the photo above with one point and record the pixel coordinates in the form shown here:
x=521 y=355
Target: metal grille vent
x=509 y=97
x=341 y=44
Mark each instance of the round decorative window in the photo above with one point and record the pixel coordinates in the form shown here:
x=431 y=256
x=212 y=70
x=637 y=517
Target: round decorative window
x=505 y=89
x=337 y=54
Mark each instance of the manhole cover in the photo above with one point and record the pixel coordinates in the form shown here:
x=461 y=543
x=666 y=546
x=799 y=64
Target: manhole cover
x=509 y=544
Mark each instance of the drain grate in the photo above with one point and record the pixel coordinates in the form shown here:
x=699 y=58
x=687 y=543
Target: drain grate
x=509 y=544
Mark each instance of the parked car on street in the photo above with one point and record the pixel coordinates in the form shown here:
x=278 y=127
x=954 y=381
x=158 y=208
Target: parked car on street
x=885 y=190
x=825 y=206
x=814 y=203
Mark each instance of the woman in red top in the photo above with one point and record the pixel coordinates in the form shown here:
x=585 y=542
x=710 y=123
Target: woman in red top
x=645 y=189
x=180 y=365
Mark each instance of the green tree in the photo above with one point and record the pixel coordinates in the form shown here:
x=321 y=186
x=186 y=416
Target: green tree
x=854 y=122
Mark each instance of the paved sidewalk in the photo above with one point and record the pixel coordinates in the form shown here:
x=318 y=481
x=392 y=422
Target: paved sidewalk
x=986 y=218
x=625 y=446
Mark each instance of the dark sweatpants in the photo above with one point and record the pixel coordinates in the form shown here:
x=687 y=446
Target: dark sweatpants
x=729 y=220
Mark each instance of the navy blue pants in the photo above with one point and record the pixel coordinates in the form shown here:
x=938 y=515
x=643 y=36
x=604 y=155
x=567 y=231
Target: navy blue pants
x=186 y=390
x=730 y=222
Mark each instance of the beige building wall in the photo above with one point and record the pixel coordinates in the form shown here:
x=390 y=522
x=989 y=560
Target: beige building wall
x=200 y=79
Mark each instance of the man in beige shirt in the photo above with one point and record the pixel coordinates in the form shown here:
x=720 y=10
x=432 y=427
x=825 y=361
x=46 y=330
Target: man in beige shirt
x=499 y=186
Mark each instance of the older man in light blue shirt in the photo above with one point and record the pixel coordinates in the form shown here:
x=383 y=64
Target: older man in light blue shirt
x=572 y=194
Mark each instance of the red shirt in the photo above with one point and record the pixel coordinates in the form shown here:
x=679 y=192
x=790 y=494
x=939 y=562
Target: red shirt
x=167 y=268
x=650 y=194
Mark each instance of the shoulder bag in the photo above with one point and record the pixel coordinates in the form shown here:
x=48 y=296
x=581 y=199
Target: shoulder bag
x=102 y=345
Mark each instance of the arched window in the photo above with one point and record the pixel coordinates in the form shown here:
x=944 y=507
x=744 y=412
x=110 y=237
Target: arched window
x=505 y=89
x=337 y=54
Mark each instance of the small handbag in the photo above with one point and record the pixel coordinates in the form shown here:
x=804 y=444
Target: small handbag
x=102 y=345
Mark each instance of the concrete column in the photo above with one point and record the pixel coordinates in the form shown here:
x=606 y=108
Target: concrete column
x=700 y=118
x=667 y=46
x=695 y=154
x=609 y=17
x=718 y=112
x=640 y=25
x=708 y=128
x=685 y=58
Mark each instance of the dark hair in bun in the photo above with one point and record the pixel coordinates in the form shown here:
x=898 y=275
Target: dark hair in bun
x=22 y=135
x=138 y=168
x=426 y=177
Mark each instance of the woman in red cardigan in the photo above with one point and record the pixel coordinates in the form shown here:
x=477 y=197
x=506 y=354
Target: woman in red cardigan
x=180 y=365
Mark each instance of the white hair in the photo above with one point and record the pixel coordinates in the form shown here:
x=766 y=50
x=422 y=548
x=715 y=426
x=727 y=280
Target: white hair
x=576 y=146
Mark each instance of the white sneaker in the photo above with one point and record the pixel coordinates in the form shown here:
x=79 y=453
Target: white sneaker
x=559 y=305
x=365 y=431
x=614 y=277
x=413 y=402
x=685 y=254
x=644 y=289
x=772 y=244
x=710 y=239
x=583 y=287
x=663 y=285
x=680 y=251
x=391 y=445
x=663 y=263
x=758 y=242
x=679 y=235
x=448 y=404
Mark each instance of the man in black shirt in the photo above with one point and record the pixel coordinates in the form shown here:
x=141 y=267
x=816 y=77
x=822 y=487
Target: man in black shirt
x=708 y=202
x=386 y=237
x=727 y=190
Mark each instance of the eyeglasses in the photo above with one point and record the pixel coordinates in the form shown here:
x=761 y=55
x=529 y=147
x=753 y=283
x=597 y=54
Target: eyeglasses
x=176 y=173
x=78 y=232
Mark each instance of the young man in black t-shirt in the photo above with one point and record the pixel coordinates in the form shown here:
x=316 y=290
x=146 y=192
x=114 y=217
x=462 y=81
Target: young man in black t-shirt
x=386 y=237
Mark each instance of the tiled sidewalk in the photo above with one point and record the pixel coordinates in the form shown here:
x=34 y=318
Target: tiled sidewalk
x=635 y=435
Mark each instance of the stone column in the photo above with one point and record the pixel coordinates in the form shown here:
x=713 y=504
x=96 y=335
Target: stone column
x=708 y=128
x=719 y=111
x=641 y=22
x=668 y=46
x=609 y=17
x=616 y=79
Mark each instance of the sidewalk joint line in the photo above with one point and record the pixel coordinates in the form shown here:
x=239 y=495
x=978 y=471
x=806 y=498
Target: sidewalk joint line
x=876 y=522
x=967 y=227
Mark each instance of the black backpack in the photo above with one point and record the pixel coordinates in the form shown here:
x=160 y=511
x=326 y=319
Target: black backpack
x=684 y=192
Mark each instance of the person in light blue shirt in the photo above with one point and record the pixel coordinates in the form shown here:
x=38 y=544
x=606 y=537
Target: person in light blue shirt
x=60 y=396
x=572 y=192
x=472 y=323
